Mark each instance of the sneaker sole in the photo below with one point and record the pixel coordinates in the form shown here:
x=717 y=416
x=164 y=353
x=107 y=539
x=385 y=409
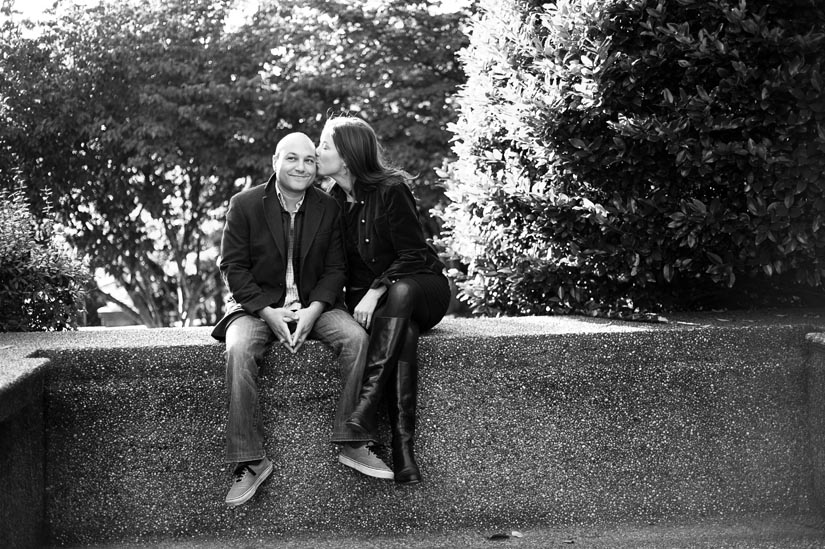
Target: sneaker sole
x=246 y=496
x=369 y=471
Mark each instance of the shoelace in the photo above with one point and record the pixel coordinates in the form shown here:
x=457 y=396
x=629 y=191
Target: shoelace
x=240 y=472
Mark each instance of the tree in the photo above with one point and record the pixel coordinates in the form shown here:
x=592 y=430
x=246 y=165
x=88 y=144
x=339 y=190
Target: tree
x=143 y=123
x=142 y=120
x=393 y=62
x=625 y=157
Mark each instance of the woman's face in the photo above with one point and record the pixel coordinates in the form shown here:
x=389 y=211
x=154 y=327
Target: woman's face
x=330 y=162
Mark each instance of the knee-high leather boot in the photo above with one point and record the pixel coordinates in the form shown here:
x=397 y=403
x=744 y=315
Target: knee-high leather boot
x=386 y=339
x=402 y=399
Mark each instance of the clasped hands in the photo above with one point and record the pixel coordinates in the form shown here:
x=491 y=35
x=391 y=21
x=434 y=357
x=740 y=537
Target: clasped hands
x=278 y=319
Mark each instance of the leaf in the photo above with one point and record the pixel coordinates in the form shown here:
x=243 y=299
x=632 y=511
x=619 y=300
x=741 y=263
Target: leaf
x=715 y=258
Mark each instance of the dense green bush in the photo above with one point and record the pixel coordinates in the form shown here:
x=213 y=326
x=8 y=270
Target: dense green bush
x=629 y=157
x=41 y=281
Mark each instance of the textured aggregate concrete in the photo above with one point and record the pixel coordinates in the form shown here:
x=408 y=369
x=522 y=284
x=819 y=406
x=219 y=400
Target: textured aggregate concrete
x=759 y=532
x=816 y=408
x=22 y=453
x=537 y=421
x=22 y=462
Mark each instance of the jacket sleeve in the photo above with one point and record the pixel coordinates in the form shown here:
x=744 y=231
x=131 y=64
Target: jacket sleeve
x=405 y=234
x=235 y=262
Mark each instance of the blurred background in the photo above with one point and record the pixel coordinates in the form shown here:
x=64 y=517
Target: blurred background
x=618 y=159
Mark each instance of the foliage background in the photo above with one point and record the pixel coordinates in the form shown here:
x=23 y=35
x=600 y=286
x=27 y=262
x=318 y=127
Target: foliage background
x=618 y=158
x=142 y=119
x=42 y=281
x=627 y=157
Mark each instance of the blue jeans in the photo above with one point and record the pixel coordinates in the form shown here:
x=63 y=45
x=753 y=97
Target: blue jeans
x=247 y=340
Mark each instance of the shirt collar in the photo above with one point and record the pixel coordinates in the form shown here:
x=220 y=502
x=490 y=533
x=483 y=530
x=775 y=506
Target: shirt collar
x=281 y=198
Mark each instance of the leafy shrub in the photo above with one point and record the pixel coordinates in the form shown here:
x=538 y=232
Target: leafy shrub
x=41 y=281
x=627 y=157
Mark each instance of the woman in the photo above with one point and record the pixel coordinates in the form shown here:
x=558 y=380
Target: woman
x=396 y=287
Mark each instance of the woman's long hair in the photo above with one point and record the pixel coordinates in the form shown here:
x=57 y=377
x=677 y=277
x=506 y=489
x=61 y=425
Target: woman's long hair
x=357 y=144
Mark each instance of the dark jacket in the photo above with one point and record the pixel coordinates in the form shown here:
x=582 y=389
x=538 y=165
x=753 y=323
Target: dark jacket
x=253 y=258
x=390 y=237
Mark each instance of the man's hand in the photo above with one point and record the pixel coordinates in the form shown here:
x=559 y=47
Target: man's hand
x=365 y=309
x=306 y=320
x=277 y=319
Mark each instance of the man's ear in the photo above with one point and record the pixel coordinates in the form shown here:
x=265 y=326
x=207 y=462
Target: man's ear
x=274 y=162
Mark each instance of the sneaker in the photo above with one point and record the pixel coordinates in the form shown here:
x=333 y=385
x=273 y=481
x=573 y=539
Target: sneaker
x=248 y=477
x=364 y=460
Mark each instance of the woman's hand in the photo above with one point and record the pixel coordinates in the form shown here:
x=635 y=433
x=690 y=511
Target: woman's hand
x=365 y=309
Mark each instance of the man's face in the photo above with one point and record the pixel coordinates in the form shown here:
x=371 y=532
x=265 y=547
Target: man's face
x=294 y=164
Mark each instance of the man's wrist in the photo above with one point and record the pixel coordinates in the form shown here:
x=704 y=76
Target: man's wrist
x=267 y=313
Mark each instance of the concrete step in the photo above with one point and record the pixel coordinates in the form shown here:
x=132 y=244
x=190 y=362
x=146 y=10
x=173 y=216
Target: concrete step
x=524 y=424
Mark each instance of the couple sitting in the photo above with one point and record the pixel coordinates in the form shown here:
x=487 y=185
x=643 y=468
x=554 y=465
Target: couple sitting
x=288 y=250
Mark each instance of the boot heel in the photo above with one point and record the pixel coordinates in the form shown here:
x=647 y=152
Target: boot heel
x=402 y=408
x=408 y=477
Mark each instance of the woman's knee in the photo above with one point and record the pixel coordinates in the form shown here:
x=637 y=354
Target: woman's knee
x=401 y=297
x=402 y=290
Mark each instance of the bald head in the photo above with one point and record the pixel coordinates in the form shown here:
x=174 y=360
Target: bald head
x=294 y=163
x=295 y=141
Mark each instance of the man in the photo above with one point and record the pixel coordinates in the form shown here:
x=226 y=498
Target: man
x=283 y=260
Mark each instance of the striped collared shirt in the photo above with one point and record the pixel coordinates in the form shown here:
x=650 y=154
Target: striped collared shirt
x=292 y=299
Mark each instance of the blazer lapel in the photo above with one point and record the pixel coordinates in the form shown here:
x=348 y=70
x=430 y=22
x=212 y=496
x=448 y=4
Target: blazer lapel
x=312 y=221
x=272 y=213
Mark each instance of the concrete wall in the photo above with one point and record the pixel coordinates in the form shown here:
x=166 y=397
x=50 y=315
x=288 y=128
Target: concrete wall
x=522 y=422
x=22 y=455
x=816 y=414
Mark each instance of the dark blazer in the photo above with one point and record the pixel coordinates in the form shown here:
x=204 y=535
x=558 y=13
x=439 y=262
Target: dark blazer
x=390 y=237
x=253 y=257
